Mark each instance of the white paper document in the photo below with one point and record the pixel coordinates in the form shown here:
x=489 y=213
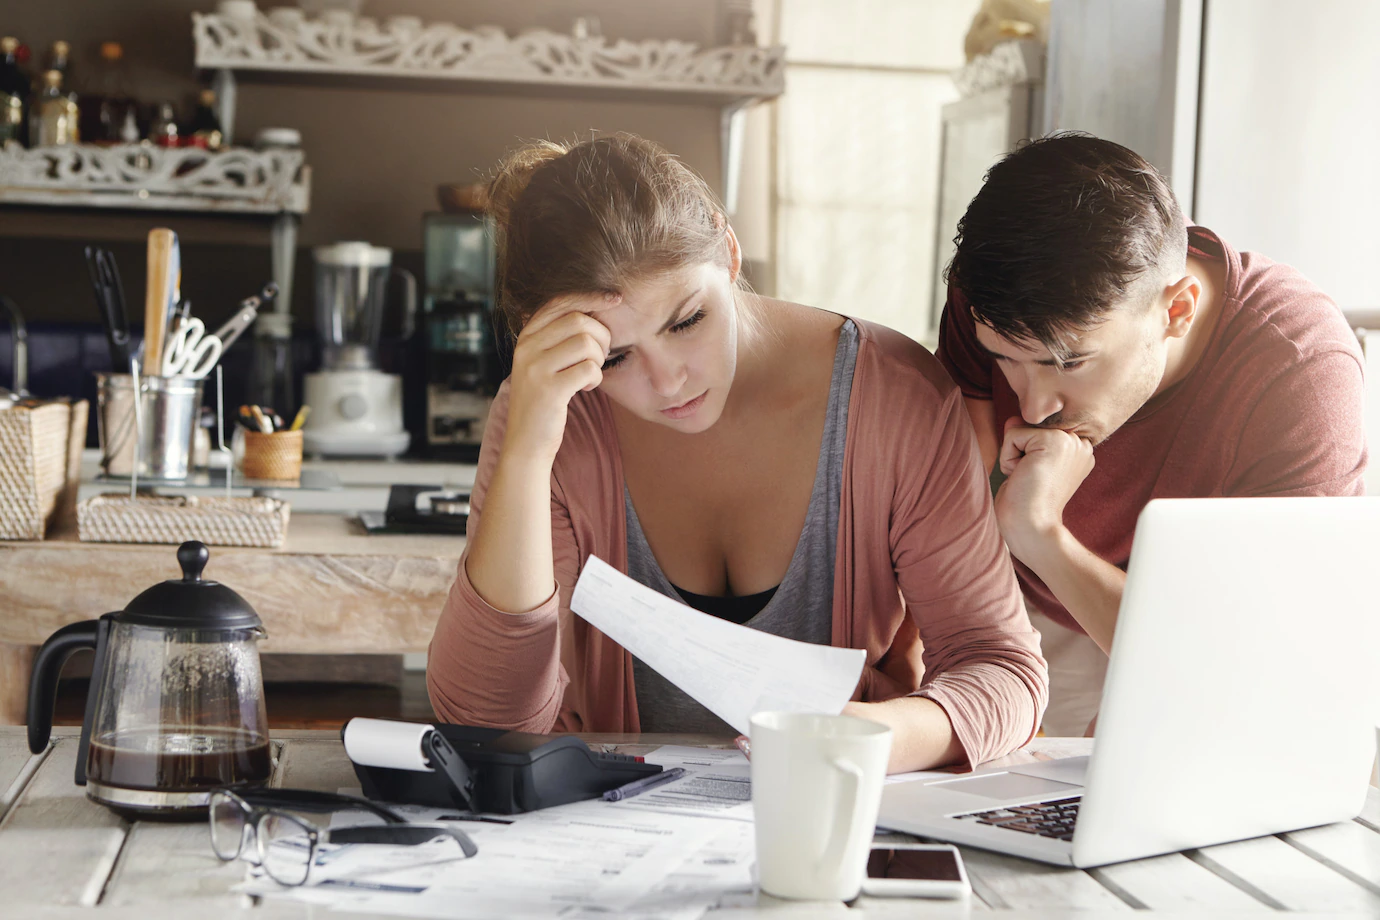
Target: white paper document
x=717 y=784
x=731 y=670
x=573 y=860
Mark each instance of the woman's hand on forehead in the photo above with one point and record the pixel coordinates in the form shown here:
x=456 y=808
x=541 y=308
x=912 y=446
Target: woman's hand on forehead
x=591 y=304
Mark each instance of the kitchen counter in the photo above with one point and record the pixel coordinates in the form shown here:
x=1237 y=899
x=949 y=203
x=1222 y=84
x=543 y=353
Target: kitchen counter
x=364 y=483
x=330 y=589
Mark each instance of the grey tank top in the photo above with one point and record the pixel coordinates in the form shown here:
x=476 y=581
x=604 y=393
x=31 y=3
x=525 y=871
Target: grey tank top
x=803 y=606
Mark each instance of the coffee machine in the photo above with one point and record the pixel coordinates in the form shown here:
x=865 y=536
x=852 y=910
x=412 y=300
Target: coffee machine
x=463 y=365
x=356 y=409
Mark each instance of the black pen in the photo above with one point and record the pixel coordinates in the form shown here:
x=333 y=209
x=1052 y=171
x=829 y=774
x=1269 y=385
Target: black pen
x=639 y=786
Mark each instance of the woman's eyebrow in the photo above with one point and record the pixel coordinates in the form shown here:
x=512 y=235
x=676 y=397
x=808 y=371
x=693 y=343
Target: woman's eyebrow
x=670 y=321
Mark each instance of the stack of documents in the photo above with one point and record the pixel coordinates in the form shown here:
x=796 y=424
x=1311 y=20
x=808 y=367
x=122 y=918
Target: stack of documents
x=659 y=859
x=667 y=854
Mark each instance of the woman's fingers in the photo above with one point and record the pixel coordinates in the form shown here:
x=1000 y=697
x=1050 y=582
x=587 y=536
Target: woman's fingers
x=582 y=346
x=560 y=307
x=585 y=376
x=531 y=346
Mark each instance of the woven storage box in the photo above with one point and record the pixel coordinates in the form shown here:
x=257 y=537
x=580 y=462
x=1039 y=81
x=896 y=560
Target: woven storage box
x=272 y=456
x=33 y=466
x=215 y=521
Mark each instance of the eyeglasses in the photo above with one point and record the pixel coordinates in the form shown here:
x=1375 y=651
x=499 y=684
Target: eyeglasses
x=288 y=845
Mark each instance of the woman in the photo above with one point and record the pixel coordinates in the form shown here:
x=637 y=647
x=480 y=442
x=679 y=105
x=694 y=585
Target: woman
x=780 y=466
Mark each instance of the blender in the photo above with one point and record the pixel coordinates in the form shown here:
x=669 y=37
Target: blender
x=356 y=409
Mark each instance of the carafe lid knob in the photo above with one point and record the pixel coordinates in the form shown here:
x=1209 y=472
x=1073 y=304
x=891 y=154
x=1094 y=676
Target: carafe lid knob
x=191 y=602
x=192 y=556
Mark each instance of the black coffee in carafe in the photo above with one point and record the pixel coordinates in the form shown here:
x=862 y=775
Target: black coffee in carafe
x=181 y=761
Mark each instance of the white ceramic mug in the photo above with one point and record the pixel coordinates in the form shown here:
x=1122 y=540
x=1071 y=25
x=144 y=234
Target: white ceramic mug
x=816 y=788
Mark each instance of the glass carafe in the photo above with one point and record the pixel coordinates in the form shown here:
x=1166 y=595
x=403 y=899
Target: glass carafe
x=181 y=711
x=176 y=706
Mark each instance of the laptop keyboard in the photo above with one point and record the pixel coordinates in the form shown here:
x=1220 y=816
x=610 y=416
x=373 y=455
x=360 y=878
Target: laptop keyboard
x=1045 y=819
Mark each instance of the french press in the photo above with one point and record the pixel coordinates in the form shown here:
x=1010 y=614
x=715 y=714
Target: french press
x=176 y=705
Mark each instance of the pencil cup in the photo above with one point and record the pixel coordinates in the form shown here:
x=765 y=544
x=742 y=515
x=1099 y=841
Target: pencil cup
x=272 y=456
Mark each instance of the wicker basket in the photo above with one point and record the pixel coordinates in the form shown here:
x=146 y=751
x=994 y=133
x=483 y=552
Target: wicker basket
x=215 y=521
x=34 y=468
x=272 y=456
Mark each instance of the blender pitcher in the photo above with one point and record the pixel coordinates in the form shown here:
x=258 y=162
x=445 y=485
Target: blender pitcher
x=350 y=284
x=356 y=409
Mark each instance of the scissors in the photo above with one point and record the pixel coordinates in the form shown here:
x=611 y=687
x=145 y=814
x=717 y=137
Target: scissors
x=190 y=352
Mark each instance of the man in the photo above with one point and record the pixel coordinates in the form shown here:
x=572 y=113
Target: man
x=1110 y=353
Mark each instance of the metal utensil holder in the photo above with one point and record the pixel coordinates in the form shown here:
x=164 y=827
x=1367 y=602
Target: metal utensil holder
x=146 y=424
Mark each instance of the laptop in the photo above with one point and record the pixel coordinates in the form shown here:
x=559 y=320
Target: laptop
x=1241 y=697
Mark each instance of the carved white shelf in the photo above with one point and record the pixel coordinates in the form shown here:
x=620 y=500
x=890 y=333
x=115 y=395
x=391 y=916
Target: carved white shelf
x=239 y=181
x=138 y=177
x=287 y=43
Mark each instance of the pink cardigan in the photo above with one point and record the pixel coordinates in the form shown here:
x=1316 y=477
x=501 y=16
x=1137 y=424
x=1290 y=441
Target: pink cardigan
x=922 y=580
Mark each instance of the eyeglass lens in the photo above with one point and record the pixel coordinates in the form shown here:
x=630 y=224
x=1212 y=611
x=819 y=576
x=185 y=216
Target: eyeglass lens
x=227 y=826
x=286 y=848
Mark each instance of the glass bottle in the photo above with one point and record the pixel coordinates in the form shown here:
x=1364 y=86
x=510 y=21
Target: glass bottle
x=204 y=130
x=104 y=109
x=14 y=95
x=164 y=131
x=54 y=116
x=59 y=59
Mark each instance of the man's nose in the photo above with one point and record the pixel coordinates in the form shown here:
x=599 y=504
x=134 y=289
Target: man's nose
x=1039 y=402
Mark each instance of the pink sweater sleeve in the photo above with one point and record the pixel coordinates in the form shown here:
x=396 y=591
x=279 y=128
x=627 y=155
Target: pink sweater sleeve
x=982 y=656
x=489 y=667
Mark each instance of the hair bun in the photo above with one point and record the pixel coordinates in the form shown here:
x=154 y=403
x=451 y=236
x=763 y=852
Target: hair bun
x=515 y=172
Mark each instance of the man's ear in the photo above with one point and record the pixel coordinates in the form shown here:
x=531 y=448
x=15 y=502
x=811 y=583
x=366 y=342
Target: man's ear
x=735 y=254
x=1183 y=297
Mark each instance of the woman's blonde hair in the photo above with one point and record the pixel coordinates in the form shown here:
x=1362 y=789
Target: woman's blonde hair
x=592 y=216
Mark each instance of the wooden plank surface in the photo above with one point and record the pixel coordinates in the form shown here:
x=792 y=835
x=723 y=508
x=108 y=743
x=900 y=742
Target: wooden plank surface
x=1007 y=882
x=1173 y=882
x=57 y=847
x=14 y=757
x=1286 y=875
x=59 y=851
x=164 y=862
x=1351 y=848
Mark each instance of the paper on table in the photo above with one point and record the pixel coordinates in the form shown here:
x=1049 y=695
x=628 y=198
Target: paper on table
x=731 y=670
x=717 y=784
x=582 y=856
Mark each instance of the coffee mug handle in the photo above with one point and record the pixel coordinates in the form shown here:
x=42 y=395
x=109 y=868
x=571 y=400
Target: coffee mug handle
x=848 y=805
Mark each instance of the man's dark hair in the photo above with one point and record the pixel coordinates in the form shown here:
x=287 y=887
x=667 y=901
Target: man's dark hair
x=1063 y=229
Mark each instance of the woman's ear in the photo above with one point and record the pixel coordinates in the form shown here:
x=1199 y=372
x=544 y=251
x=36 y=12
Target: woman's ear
x=735 y=254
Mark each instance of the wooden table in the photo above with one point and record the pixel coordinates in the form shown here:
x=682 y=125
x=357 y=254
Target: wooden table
x=331 y=589
x=62 y=855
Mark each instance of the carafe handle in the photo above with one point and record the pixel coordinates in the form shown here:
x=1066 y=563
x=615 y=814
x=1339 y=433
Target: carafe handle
x=52 y=655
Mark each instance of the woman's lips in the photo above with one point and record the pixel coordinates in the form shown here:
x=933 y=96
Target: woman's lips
x=685 y=410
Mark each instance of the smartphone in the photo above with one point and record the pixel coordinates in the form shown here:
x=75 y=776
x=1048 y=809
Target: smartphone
x=915 y=870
